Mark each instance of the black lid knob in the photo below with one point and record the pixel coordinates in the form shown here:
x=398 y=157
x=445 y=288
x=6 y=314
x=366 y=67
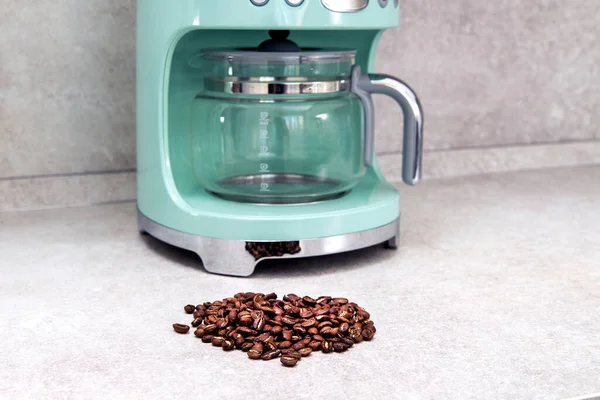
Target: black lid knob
x=279 y=42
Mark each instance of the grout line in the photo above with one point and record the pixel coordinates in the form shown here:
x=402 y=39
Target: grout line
x=496 y=146
x=67 y=175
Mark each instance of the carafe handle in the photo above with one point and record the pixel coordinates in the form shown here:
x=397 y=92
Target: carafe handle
x=364 y=85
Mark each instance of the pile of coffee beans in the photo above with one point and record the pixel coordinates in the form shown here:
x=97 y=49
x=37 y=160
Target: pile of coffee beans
x=267 y=328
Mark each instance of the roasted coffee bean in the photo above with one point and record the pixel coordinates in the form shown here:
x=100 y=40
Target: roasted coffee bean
x=267 y=310
x=222 y=332
x=305 y=352
x=319 y=338
x=199 y=332
x=324 y=324
x=355 y=332
x=339 y=300
x=322 y=318
x=306 y=340
x=287 y=334
x=321 y=311
x=291 y=353
x=244 y=330
x=246 y=346
x=276 y=330
x=278 y=310
x=288 y=360
x=268 y=328
x=271 y=354
x=207 y=338
x=344 y=327
x=200 y=307
x=288 y=320
x=270 y=343
x=306 y=313
x=367 y=334
x=211 y=319
x=189 y=309
x=299 y=329
x=333 y=310
x=221 y=323
x=344 y=319
x=334 y=331
x=270 y=296
x=348 y=341
x=258 y=318
x=197 y=322
x=296 y=338
x=298 y=346
x=326 y=347
x=262 y=337
x=285 y=344
x=309 y=301
x=370 y=325
x=291 y=297
x=250 y=338
x=232 y=316
x=245 y=320
x=228 y=345
x=307 y=323
x=231 y=332
x=323 y=299
x=239 y=342
x=325 y=331
x=340 y=347
x=256 y=351
x=315 y=345
x=217 y=341
x=181 y=328
x=362 y=314
x=199 y=314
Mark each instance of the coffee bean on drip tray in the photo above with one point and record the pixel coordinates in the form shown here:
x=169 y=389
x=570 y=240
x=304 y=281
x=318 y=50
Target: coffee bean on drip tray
x=290 y=328
x=272 y=249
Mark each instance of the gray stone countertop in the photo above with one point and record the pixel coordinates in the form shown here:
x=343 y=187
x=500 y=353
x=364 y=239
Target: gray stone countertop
x=494 y=293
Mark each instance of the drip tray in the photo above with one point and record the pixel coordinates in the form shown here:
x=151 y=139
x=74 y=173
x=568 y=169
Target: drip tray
x=279 y=189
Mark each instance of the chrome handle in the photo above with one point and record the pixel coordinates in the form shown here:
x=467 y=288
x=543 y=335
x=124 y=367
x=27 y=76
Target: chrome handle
x=363 y=85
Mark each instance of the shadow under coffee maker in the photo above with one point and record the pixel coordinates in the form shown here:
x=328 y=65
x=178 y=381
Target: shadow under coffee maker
x=255 y=128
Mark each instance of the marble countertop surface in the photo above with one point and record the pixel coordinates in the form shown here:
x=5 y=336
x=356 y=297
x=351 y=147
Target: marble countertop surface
x=494 y=293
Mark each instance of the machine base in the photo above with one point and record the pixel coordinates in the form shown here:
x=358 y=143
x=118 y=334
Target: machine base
x=239 y=258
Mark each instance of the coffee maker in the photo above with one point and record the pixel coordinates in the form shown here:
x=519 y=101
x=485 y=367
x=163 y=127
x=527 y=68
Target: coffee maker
x=255 y=128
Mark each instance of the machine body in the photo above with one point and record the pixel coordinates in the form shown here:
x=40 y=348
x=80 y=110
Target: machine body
x=231 y=237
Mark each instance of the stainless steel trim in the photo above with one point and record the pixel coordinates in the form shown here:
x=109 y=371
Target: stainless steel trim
x=229 y=257
x=277 y=78
x=280 y=88
x=345 y=5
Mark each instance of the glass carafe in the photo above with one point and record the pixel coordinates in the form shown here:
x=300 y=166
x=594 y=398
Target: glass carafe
x=280 y=128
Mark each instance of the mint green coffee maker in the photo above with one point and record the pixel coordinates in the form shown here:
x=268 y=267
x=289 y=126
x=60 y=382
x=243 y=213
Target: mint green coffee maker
x=255 y=128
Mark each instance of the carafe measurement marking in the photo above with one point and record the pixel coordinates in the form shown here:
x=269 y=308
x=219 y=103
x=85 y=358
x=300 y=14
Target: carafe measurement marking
x=263 y=149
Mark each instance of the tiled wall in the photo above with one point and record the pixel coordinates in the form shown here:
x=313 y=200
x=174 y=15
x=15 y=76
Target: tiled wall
x=491 y=75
